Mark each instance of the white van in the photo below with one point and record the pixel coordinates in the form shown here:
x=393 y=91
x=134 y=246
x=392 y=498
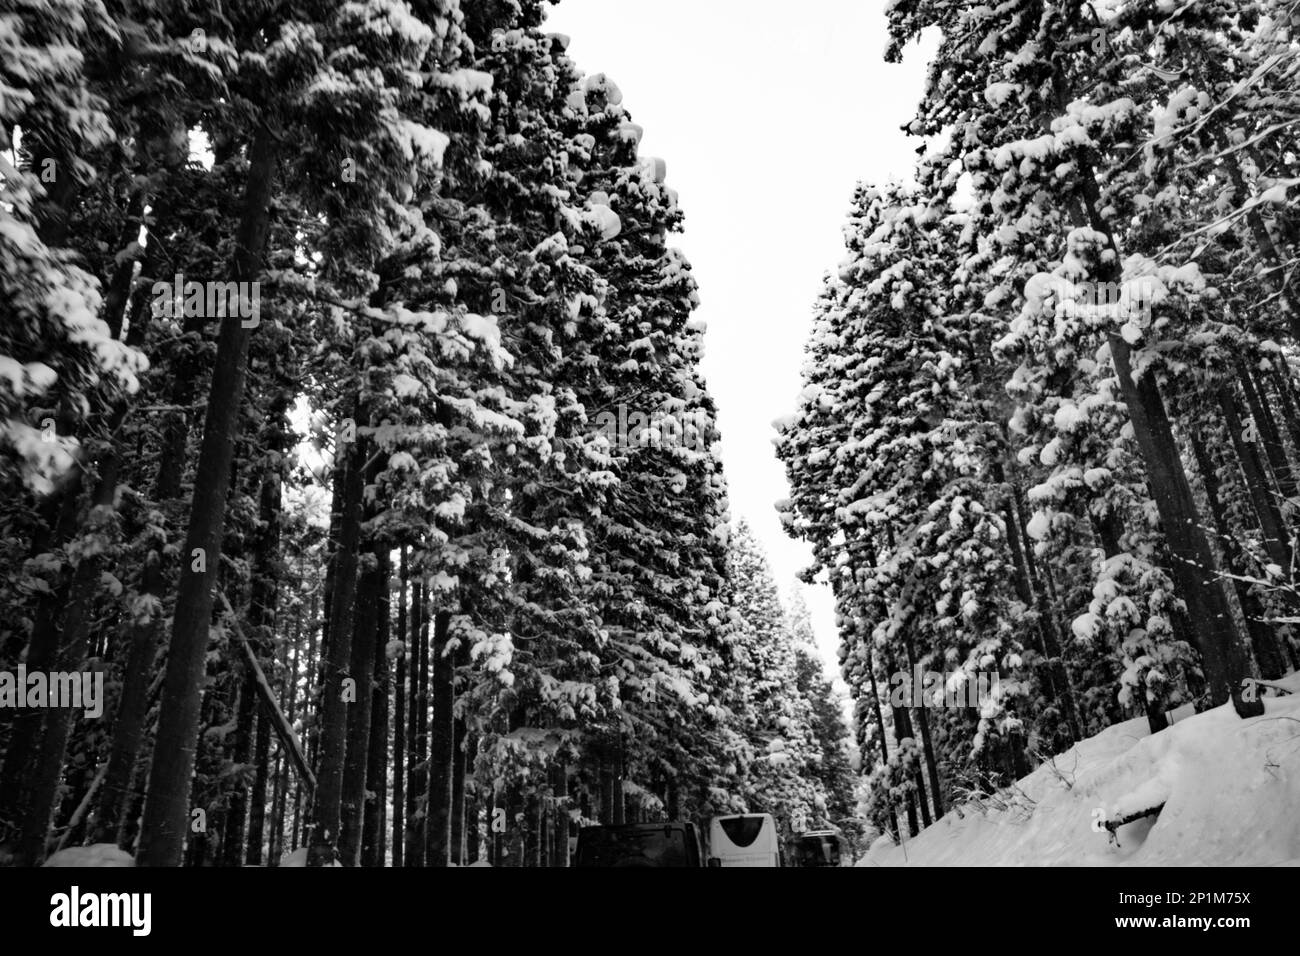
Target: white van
x=744 y=839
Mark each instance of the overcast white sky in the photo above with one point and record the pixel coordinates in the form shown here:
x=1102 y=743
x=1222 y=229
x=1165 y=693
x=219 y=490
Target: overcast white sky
x=767 y=114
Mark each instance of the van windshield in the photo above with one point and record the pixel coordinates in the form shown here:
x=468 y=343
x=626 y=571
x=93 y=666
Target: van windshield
x=742 y=831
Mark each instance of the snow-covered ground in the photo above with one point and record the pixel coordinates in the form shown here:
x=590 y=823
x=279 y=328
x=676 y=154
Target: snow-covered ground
x=1230 y=788
x=96 y=855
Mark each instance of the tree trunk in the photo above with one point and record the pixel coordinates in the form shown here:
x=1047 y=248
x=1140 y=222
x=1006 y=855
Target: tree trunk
x=335 y=707
x=280 y=804
x=132 y=708
x=128 y=725
x=923 y=718
x=473 y=801
x=473 y=808
x=458 y=768
x=20 y=755
x=441 y=747
x=1110 y=530
x=261 y=773
x=232 y=840
x=514 y=835
x=1267 y=653
x=1277 y=541
x=1280 y=375
x=416 y=786
x=494 y=836
x=374 y=839
x=1223 y=657
x=559 y=828
x=399 y=724
x=264 y=600
x=42 y=786
x=616 y=794
x=902 y=731
x=163 y=830
x=310 y=672
x=1022 y=556
x=1270 y=438
x=883 y=737
x=356 y=767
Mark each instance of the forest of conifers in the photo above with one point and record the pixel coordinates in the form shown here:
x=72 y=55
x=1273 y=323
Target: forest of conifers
x=1049 y=426
x=351 y=426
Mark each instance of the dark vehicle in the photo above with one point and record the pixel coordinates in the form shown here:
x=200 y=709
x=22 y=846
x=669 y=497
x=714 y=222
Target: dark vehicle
x=819 y=848
x=638 y=845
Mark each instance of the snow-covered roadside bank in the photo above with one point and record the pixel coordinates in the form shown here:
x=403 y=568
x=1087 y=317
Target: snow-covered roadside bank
x=1230 y=789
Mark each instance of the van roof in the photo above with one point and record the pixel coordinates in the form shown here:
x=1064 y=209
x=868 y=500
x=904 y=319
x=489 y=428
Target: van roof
x=667 y=824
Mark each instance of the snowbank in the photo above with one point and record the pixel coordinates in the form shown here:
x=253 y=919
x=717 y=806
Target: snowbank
x=99 y=854
x=299 y=858
x=1230 y=790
